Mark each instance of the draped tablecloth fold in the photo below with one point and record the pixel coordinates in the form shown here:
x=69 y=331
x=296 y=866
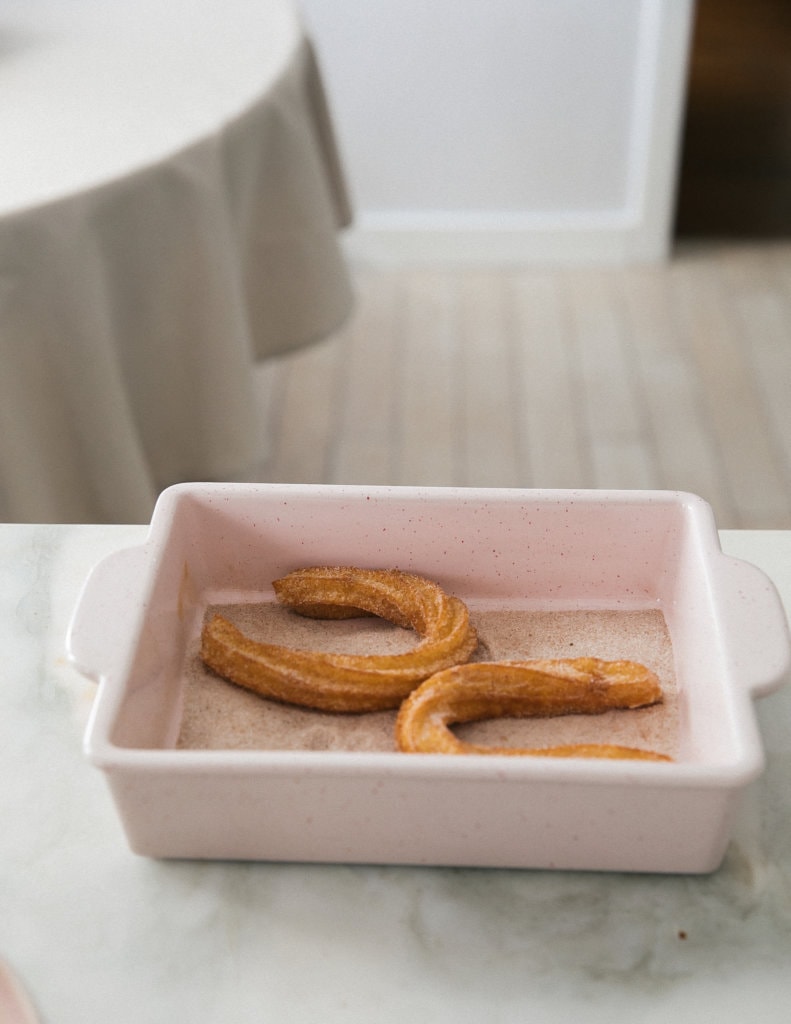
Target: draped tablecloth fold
x=133 y=306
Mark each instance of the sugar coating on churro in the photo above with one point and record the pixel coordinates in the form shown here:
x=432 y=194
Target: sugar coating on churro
x=345 y=681
x=541 y=688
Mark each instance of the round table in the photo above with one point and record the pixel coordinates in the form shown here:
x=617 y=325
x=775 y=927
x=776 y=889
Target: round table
x=170 y=203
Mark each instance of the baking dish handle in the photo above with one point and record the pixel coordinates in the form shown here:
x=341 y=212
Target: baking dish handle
x=755 y=625
x=98 y=640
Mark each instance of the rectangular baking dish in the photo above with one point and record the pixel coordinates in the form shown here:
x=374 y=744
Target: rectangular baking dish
x=500 y=548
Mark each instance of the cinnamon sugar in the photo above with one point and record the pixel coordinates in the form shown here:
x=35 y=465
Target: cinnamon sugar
x=219 y=715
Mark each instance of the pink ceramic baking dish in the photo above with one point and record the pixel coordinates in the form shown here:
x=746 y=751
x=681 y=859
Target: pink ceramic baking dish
x=617 y=551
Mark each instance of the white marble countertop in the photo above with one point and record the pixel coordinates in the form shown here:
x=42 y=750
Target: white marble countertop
x=95 y=932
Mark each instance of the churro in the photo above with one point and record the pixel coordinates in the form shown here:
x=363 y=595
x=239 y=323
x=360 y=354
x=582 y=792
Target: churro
x=346 y=682
x=481 y=690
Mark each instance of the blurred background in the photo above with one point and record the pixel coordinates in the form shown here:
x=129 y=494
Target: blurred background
x=570 y=258
x=612 y=371
x=735 y=175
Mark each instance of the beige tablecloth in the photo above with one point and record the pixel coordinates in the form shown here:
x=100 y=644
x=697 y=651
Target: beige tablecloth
x=170 y=202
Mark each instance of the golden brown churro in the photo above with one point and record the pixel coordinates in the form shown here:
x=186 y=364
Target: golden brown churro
x=468 y=693
x=346 y=682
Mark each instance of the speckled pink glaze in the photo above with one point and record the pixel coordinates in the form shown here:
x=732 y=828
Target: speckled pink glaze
x=497 y=549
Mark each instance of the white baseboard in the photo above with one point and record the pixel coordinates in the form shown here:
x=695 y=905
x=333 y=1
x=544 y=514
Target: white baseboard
x=464 y=239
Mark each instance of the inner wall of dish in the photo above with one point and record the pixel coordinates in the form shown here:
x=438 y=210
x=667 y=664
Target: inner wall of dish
x=561 y=550
x=512 y=554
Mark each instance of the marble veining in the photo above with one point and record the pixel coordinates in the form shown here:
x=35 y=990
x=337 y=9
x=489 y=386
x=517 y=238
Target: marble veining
x=94 y=931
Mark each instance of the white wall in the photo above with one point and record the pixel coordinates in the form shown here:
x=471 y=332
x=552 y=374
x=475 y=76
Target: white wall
x=507 y=129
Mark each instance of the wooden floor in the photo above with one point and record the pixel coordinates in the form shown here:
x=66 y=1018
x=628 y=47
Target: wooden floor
x=671 y=377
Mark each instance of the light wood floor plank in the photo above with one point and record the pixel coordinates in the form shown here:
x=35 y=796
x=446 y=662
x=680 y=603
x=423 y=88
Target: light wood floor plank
x=623 y=463
x=733 y=401
x=429 y=453
x=762 y=305
x=611 y=403
x=304 y=414
x=686 y=455
x=548 y=420
x=676 y=376
x=367 y=429
x=489 y=435
x=617 y=425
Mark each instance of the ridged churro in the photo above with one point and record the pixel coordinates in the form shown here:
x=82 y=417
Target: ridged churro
x=346 y=682
x=521 y=689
